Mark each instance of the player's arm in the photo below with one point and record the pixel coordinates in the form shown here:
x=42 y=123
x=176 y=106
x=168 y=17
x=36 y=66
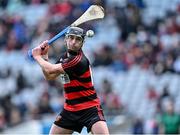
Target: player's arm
x=46 y=75
x=51 y=71
x=50 y=76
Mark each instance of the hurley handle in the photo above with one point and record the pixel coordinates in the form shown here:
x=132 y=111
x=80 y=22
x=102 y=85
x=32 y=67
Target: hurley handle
x=30 y=56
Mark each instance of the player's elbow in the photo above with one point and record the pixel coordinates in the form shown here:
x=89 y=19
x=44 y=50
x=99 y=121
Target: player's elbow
x=54 y=69
x=49 y=78
x=49 y=71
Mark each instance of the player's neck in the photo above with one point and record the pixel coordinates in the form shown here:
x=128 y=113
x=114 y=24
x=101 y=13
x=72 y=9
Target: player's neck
x=72 y=52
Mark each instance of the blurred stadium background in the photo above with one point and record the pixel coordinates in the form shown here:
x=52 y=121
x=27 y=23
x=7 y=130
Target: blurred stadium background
x=135 y=55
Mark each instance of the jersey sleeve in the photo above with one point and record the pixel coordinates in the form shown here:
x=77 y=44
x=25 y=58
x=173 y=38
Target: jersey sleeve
x=60 y=59
x=74 y=64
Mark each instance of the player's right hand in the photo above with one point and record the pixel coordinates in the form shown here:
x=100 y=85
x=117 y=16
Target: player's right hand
x=44 y=47
x=36 y=52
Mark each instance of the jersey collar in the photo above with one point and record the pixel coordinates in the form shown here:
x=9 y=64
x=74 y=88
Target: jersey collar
x=73 y=52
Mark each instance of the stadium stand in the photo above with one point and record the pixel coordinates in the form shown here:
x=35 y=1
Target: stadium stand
x=136 y=49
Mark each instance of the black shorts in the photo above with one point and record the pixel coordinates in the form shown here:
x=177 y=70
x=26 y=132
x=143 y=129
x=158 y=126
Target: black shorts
x=77 y=120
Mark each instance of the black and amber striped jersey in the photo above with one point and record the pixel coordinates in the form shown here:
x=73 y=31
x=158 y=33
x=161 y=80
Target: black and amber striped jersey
x=79 y=91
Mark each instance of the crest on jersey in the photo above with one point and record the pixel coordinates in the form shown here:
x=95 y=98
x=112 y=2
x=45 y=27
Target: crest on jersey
x=64 y=78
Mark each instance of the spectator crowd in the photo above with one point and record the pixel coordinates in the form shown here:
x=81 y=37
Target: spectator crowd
x=152 y=45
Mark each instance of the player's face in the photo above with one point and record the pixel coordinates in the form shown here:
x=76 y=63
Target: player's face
x=74 y=42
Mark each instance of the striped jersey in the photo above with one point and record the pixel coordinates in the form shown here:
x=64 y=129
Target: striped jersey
x=79 y=91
